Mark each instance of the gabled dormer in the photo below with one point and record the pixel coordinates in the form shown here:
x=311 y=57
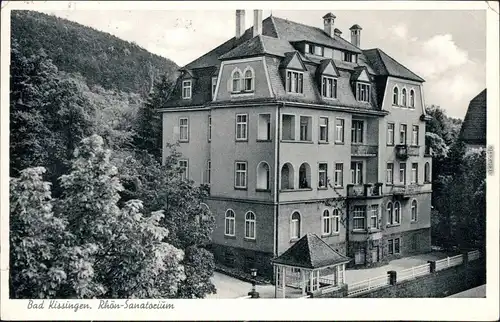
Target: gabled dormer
x=327 y=78
x=292 y=70
x=361 y=84
x=186 y=81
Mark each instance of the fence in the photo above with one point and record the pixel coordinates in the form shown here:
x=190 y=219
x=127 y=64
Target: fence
x=367 y=285
x=413 y=272
x=449 y=262
x=473 y=255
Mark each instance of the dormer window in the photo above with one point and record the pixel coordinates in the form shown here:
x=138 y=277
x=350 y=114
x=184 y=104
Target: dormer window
x=347 y=57
x=236 y=84
x=214 y=85
x=249 y=80
x=329 y=87
x=363 y=92
x=186 y=89
x=318 y=51
x=314 y=50
x=294 y=82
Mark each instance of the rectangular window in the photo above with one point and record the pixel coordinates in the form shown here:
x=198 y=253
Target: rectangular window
x=357 y=173
x=288 y=127
x=359 y=217
x=390 y=173
x=186 y=89
x=305 y=128
x=397 y=242
x=335 y=221
x=209 y=128
x=214 y=86
x=390 y=133
x=329 y=87
x=414 y=135
x=339 y=130
x=323 y=129
x=240 y=175
x=357 y=131
x=295 y=82
x=241 y=127
x=208 y=172
x=374 y=217
x=264 y=132
x=322 y=175
x=402 y=134
x=318 y=50
x=347 y=57
x=402 y=173
x=363 y=92
x=339 y=174
x=390 y=246
x=184 y=165
x=184 y=129
x=414 y=173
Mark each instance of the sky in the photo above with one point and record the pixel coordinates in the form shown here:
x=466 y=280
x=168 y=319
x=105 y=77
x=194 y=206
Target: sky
x=445 y=47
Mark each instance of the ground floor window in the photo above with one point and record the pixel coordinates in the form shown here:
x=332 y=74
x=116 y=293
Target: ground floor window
x=359 y=256
x=394 y=246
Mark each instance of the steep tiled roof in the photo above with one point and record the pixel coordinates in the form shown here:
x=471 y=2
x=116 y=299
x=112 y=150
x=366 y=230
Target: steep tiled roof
x=385 y=65
x=474 y=126
x=259 y=45
x=311 y=252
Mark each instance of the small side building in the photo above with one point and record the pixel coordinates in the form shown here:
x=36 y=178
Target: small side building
x=473 y=131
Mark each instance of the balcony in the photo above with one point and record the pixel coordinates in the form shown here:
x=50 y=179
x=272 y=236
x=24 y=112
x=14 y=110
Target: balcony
x=405 y=191
x=364 y=191
x=403 y=151
x=363 y=150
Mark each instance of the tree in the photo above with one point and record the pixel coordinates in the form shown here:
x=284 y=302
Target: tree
x=149 y=123
x=132 y=258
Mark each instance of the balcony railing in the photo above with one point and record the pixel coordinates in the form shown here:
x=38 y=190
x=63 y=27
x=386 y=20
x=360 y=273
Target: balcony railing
x=368 y=190
x=405 y=191
x=364 y=150
x=405 y=150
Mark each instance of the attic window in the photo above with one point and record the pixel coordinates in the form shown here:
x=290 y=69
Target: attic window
x=347 y=57
x=314 y=50
x=363 y=92
x=236 y=81
x=294 y=82
x=249 y=80
x=186 y=89
x=328 y=87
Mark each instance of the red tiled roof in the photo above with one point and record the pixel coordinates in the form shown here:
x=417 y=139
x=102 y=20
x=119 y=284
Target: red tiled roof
x=473 y=129
x=385 y=65
x=311 y=252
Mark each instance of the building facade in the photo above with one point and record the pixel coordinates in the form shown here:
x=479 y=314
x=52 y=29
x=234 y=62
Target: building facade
x=297 y=131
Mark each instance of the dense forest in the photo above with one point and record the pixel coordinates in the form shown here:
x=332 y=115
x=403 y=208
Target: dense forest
x=101 y=58
x=93 y=211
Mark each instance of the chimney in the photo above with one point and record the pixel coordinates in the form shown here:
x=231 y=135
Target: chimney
x=337 y=32
x=240 y=23
x=257 y=22
x=355 y=35
x=328 y=21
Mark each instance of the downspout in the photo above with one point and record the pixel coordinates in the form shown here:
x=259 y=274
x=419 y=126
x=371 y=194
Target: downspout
x=277 y=177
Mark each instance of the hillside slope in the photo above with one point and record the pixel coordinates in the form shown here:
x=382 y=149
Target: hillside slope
x=101 y=58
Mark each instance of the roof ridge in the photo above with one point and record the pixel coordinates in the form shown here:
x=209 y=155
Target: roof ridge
x=274 y=26
x=381 y=51
x=324 y=242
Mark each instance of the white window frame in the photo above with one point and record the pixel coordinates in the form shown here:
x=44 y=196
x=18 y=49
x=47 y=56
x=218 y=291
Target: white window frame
x=374 y=213
x=390 y=213
x=402 y=170
x=238 y=172
x=401 y=126
x=357 y=215
x=366 y=90
x=323 y=127
x=399 y=245
x=390 y=133
x=326 y=222
x=357 y=173
x=339 y=130
x=252 y=79
x=244 y=125
x=397 y=213
x=187 y=85
x=210 y=128
x=414 y=135
x=414 y=173
x=293 y=223
x=325 y=173
x=329 y=87
x=414 y=210
x=360 y=137
x=335 y=221
x=389 y=179
x=347 y=57
x=339 y=175
x=395 y=95
x=230 y=222
x=404 y=97
x=294 y=86
x=185 y=174
x=309 y=125
x=412 y=99
x=250 y=225
x=208 y=172
x=214 y=85
x=181 y=126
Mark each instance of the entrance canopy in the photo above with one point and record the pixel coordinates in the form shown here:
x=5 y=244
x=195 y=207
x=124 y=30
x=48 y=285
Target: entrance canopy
x=310 y=264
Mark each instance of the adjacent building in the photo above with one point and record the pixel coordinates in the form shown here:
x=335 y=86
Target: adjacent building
x=473 y=131
x=297 y=130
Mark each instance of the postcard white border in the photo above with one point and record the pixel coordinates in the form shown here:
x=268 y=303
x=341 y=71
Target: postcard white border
x=273 y=309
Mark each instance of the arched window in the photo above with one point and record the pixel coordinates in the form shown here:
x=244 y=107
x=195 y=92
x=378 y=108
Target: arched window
x=250 y=225
x=295 y=226
x=287 y=177
x=249 y=80
x=397 y=213
x=263 y=176
x=395 y=96
x=327 y=223
x=236 y=84
x=403 y=97
x=304 y=176
x=229 y=223
x=427 y=172
x=390 y=213
x=412 y=98
x=335 y=221
x=414 y=210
